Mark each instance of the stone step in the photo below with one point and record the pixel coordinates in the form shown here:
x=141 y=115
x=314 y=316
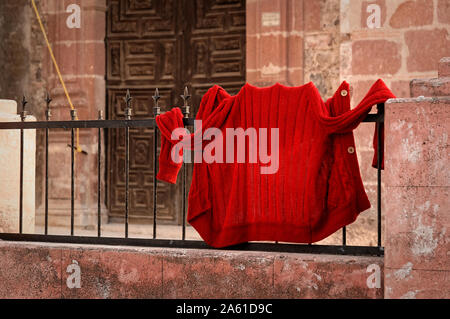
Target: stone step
x=444 y=67
x=430 y=87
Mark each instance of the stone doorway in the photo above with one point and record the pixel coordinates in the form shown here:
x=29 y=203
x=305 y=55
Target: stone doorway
x=165 y=44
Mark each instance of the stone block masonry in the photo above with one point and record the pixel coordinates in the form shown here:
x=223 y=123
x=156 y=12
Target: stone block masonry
x=81 y=56
x=417 y=182
x=411 y=38
x=439 y=86
x=80 y=53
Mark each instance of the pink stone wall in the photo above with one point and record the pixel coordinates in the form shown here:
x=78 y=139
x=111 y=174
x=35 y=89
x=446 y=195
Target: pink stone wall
x=29 y=270
x=408 y=45
x=330 y=41
x=412 y=37
x=80 y=53
x=417 y=183
x=274 y=42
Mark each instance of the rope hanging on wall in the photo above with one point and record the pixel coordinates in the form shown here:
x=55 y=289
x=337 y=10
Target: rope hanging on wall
x=77 y=143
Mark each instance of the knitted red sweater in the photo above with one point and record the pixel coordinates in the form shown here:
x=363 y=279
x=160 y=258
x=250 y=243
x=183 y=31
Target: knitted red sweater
x=317 y=188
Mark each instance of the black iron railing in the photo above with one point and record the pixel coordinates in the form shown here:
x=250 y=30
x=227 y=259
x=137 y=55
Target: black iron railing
x=126 y=124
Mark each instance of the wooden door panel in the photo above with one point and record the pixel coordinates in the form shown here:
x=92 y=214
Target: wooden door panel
x=216 y=46
x=166 y=44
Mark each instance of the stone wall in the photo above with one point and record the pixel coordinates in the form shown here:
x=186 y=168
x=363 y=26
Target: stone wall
x=10 y=173
x=274 y=42
x=80 y=53
x=293 y=42
x=23 y=48
x=412 y=38
x=30 y=270
x=417 y=191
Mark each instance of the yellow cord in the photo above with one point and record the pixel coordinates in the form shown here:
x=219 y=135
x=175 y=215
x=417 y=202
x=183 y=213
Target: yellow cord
x=78 y=148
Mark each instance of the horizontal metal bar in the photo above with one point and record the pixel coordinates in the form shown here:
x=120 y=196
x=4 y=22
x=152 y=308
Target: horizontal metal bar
x=85 y=124
x=197 y=244
x=114 y=123
x=374 y=118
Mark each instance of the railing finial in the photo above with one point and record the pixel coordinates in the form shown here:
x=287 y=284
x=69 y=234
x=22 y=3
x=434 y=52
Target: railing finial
x=186 y=96
x=24 y=102
x=48 y=100
x=128 y=109
x=23 y=114
x=73 y=114
x=156 y=108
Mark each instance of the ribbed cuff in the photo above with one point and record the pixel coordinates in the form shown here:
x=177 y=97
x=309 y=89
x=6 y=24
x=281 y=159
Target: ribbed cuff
x=168 y=173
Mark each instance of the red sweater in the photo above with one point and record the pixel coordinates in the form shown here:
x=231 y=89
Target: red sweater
x=317 y=188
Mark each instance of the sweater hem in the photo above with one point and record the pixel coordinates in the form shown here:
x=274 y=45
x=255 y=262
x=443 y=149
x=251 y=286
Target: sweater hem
x=229 y=236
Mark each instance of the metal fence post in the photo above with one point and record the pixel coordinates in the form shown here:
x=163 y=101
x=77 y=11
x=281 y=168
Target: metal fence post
x=156 y=112
x=128 y=112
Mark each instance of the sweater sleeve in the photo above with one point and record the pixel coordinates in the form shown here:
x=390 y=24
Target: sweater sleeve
x=171 y=155
x=350 y=119
x=168 y=167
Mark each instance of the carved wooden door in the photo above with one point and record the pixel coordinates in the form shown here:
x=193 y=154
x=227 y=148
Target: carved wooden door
x=166 y=44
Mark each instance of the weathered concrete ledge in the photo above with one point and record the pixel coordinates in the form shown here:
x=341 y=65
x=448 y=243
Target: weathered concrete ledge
x=10 y=172
x=417 y=187
x=39 y=270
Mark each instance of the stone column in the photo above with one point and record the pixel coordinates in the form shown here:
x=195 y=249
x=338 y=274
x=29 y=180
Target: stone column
x=417 y=182
x=80 y=53
x=274 y=42
x=10 y=172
